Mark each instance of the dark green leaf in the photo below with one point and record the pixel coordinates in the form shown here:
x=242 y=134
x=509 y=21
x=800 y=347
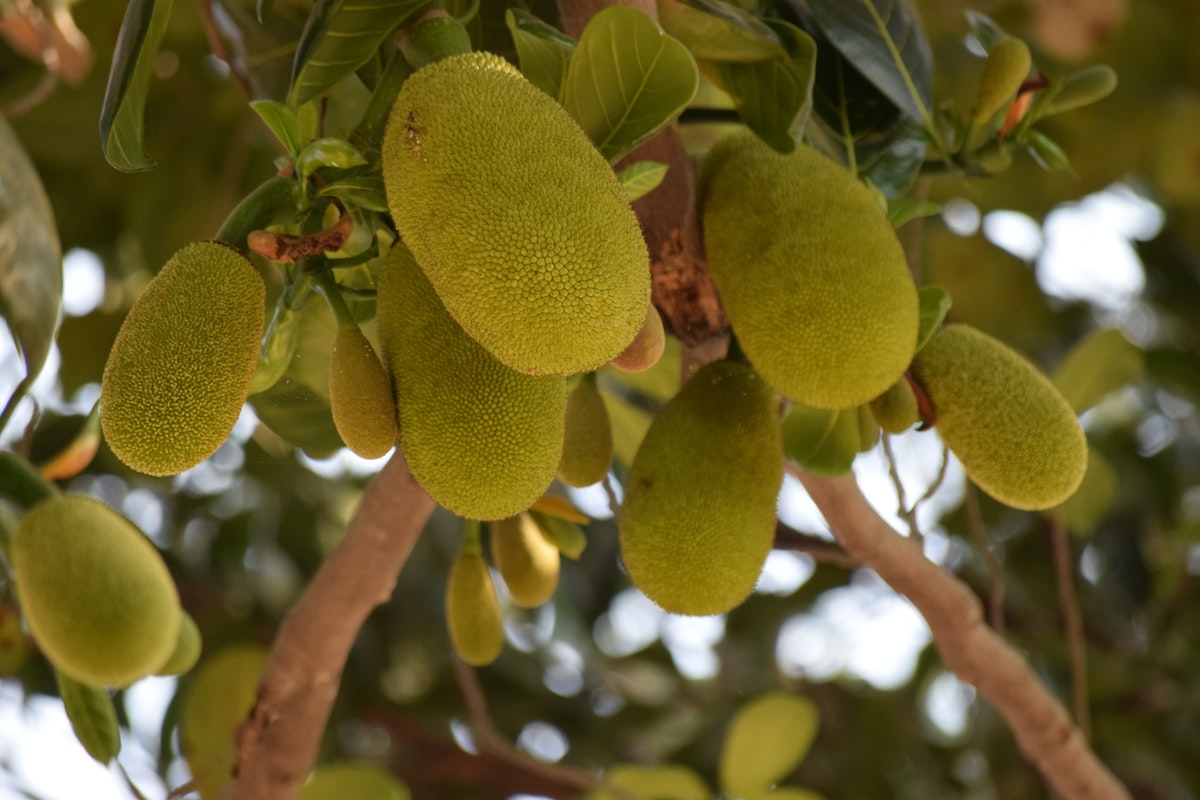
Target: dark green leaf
x=717 y=31
x=543 y=51
x=627 y=80
x=934 y=304
x=281 y=120
x=1100 y=364
x=641 y=178
x=329 y=152
x=122 y=118
x=93 y=717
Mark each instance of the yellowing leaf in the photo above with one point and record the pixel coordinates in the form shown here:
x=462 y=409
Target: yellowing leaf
x=768 y=737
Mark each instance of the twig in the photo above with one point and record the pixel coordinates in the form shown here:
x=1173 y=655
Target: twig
x=613 y=504
x=983 y=543
x=278 y=743
x=823 y=550
x=978 y=656
x=938 y=479
x=217 y=45
x=906 y=512
x=1064 y=570
x=289 y=247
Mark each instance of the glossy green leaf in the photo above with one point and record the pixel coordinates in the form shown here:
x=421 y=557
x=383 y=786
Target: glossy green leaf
x=93 y=717
x=641 y=178
x=282 y=336
x=341 y=36
x=1101 y=363
x=30 y=262
x=122 y=117
x=714 y=30
x=627 y=80
x=1083 y=511
x=904 y=209
x=767 y=739
x=543 y=51
x=934 y=303
x=281 y=121
x=668 y=782
x=272 y=202
x=824 y=442
x=329 y=152
x=365 y=191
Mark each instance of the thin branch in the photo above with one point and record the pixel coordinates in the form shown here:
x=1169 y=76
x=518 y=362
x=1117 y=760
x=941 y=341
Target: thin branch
x=907 y=513
x=278 y=743
x=974 y=652
x=983 y=543
x=1064 y=570
x=610 y=491
x=220 y=51
x=823 y=550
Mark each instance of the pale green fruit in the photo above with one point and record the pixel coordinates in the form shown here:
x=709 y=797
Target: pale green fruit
x=473 y=610
x=587 y=444
x=526 y=559
x=187 y=648
x=353 y=782
x=95 y=592
x=1016 y=436
x=896 y=409
x=699 y=513
x=180 y=368
x=811 y=274
x=1005 y=70
x=360 y=395
x=767 y=739
x=520 y=224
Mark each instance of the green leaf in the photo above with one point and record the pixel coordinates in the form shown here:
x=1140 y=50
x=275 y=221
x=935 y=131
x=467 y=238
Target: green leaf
x=985 y=29
x=299 y=415
x=273 y=201
x=544 y=52
x=122 y=117
x=629 y=426
x=329 y=152
x=904 y=209
x=824 y=442
x=934 y=303
x=1100 y=364
x=784 y=793
x=365 y=191
x=281 y=120
x=627 y=80
x=30 y=262
x=93 y=717
x=767 y=739
x=668 y=782
x=341 y=36
x=1083 y=511
x=1047 y=153
x=717 y=31
x=774 y=97
x=641 y=178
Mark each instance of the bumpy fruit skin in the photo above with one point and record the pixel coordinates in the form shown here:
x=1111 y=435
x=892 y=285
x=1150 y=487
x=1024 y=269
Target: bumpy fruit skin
x=699 y=513
x=812 y=276
x=646 y=348
x=527 y=561
x=587 y=446
x=96 y=594
x=360 y=395
x=482 y=439
x=518 y=221
x=1004 y=71
x=1016 y=436
x=180 y=368
x=473 y=610
x=896 y=409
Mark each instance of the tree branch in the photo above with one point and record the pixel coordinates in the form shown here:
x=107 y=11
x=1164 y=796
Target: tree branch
x=973 y=651
x=278 y=743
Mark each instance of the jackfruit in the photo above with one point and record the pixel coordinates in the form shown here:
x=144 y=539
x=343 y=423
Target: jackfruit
x=360 y=395
x=812 y=276
x=473 y=609
x=187 y=648
x=519 y=223
x=766 y=740
x=353 y=782
x=699 y=513
x=96 y=594
x=1016 y=436
x=180 y=368
x=647 y=347
x=587 y=445
x=1004 y=71
x=482 y=439
x=526 y=559
x=896 y=409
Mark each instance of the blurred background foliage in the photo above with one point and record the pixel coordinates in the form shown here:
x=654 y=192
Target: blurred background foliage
x=245 y=531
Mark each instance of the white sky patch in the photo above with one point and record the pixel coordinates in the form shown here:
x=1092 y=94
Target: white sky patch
x=961 y=217
x=83 y=282
x=1015 y=232
x=947 y=704
x=784 y=573
x=543 y=741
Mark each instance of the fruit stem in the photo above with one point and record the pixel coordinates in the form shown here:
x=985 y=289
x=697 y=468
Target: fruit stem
x=333 y=295
x=266 y=204
x=22 y=482
x=472 y=543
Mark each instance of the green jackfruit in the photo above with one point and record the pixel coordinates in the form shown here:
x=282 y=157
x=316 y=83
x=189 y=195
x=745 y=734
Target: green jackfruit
x=766 y=741
x=812 y=276
x=699 y=513
x=96 y=594
x=517 y=220
x=646 y=348
x=353 y=782
x=896 y=409
x=180 y=368
x=187 y=648
x=526 y=559
x=587 y=446
x=473 y=609
x=1016 y=436
x=360 y=395
x=482 y=439
x=1005 y=70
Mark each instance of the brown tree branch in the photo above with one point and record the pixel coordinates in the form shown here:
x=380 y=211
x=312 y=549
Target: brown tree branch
x=973 y=651
x=995 y=570
x=278 y=743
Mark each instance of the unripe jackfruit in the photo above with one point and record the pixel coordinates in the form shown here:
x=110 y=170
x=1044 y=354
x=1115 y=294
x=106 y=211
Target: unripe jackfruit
x=360 y=395
x=519 y=223
x=97 y=596
x=473 y=609
x=812 y=276
x=646 y=348
x=1016 y=436
x=180 y=368
x=1004 y=71
x=187 y=648
x=527 y=561
x=896 y=409
x=587 y=445
x=482 y=439
x=699 y=513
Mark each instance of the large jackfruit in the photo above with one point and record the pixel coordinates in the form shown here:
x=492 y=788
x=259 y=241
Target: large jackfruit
x=812 y=276
x=484 y=440
x=517 y=220
x=96 y=594
x=180 y=368
x=1016 y=436
x=699 y=513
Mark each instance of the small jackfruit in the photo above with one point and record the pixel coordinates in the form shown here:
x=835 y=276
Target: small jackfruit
x=353 y=782
x=519 y=223
x=473 y=609
x=1004 y=71
x=699 y=513
x=1016 y=436
x=180 y=368
x=360 y=395
x=896 y=409
x=766 y=741
x=187 y=648
x=482 y=439
x=812 y=276
x=526 y=559
x=647 y=347
x=95 y=592
x=587 y=444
